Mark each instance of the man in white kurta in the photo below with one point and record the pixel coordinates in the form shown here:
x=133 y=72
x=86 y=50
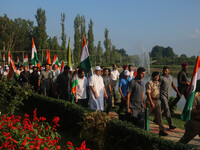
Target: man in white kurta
x=97 y=91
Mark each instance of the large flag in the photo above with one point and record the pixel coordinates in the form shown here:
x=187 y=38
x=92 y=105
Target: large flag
x=25 y=62
x=85 y=58
x=8 y=60
x=48 y=58
x=194 y=87
x=69 y=54
x=12 y=70
x=55 y=60
x=74 y=85
x=34 y=57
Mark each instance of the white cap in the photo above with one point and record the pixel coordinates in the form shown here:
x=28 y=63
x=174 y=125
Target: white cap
x=98 y=68
x=59 y=64
x=0 y=66
x=126 y=73
x=70 y=69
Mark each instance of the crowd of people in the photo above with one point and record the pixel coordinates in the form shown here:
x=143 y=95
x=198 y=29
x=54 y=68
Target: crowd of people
x=99 y=90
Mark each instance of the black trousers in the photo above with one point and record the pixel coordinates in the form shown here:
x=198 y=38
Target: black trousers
x=83 y=102
x=183 y=91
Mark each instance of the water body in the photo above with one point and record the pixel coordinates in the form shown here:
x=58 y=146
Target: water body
x=180 y=104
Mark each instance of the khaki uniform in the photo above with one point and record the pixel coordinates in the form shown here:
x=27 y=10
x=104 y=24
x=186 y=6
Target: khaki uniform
x=192 y=127
x=154 y=89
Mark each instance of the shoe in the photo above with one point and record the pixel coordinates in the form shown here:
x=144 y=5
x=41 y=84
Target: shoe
x=163 y=133
x=172 y=127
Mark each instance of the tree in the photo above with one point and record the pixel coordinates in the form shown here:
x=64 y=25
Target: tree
x=63 y=37
x=77 y=38
x=41 y=37
x=91 y=41
x=183 y=56
x=107 y=45
x=99 y=53
x=122 y=52
x=156 y=52
x=83 y=31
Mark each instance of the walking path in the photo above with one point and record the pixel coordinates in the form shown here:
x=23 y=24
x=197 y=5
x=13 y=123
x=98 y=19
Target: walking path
x=174 y=135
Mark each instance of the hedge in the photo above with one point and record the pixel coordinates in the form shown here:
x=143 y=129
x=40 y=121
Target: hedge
x=119 y=135
x=125 y=136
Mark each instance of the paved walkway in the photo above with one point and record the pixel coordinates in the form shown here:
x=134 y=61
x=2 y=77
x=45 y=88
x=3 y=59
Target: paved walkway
x=174 y=135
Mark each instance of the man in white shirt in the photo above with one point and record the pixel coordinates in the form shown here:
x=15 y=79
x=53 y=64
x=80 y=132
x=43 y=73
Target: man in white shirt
x=114 y=78
x=82 y=89
x=130 y=69
x=97 y=91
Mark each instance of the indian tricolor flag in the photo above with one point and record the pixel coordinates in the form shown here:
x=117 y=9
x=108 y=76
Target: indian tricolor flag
x=85 y=58
x=12 y=70
x=55 y=60
x=74 y=85
x=34 y=57
x=25 y=62
x=62 y=67
x=194 y=87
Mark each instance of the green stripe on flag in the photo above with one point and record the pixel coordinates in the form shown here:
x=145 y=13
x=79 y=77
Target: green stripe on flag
x=86 y=64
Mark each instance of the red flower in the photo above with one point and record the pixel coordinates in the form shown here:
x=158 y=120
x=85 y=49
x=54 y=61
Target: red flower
x=58 y=147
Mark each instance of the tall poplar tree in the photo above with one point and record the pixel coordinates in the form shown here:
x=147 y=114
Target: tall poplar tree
x=77 y=39
x=91 y=41
x=99 y=53
x=107 y=45
x=41 y=35
x=63 y=36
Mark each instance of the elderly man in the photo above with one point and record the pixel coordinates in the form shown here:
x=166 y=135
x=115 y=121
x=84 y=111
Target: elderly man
x=97 y=90
x=166 y=81
x=183 y=84
x=153 y=100
x=192 y=127
x=135 y=98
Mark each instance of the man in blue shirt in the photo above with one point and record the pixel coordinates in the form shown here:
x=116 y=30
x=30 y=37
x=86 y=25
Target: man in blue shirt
x=123 y=86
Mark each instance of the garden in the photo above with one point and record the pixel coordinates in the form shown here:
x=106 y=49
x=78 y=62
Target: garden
x=32 y=121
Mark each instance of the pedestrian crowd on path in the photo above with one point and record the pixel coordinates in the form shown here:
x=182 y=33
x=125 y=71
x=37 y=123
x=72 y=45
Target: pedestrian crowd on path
x=98 y=91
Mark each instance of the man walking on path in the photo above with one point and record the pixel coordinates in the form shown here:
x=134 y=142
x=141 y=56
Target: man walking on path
x=130 y=69
x=192 y=127
x=135 y=98
x=166 y=81
x=82 y=89
x=45 y=81
x=97 y=90
x=153 y=102
x=183 y=84
x=24 y=77
x=107 y=84
x=114 y=78
x=62 y=87
x=123 y=86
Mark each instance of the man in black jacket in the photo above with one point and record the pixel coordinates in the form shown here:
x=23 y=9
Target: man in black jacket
x=183 y=84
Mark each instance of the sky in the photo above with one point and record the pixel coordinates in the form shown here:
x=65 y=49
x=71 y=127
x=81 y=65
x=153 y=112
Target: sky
x=135 y=25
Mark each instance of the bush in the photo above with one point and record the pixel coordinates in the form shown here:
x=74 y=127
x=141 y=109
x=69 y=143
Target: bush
x=11 y=96
x=122 y=136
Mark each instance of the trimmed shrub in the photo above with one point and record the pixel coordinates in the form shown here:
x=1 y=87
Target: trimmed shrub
x=123 y=135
